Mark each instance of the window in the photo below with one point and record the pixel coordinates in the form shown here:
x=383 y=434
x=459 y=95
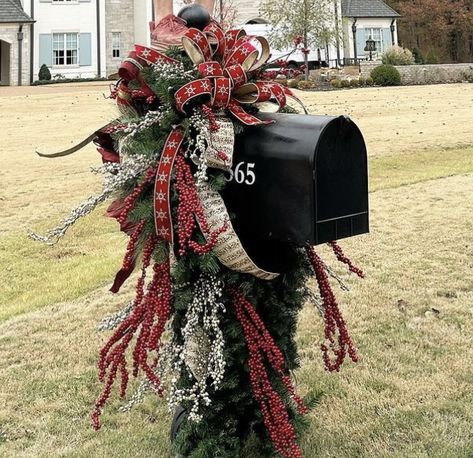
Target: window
x=116 y=44
x=65 y=49
x=377 y=35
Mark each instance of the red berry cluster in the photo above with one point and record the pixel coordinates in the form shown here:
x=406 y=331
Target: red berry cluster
x=130 y=255
x=260 y=344
x=151 y=311
x=342 y=258
x=209 y=113
x=334 y=322
x=188 y=210
x=130 y=200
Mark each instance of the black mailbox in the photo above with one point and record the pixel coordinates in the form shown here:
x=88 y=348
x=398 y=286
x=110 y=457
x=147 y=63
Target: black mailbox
x=301 y=180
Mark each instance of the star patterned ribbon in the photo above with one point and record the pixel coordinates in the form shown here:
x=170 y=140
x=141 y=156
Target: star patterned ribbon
x=162 y=188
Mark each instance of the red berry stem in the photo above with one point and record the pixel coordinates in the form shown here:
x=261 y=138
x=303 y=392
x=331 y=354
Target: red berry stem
x=345 y=260
x=150 y=314
x=334 y=322
x=260 y=344
x=190 y=210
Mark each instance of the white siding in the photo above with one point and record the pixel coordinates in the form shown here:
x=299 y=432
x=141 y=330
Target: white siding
x=62 y=17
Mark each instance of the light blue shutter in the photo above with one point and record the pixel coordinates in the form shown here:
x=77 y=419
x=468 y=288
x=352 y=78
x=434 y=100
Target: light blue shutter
x=85 y=49
x=387 y=39
x=360 y=42
x=46 y=49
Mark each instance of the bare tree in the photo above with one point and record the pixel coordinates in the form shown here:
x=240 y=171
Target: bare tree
x=311 y=20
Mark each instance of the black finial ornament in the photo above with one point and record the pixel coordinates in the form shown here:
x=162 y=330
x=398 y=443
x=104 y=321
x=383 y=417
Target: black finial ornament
x=195 y=15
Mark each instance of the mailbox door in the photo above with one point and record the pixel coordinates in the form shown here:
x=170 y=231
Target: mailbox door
x=341 y=172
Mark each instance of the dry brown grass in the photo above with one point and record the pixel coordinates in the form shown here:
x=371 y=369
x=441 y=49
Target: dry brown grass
x=404 y=119
x=410 y=395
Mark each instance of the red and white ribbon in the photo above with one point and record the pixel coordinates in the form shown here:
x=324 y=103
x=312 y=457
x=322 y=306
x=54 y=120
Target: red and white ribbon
x=162 y=188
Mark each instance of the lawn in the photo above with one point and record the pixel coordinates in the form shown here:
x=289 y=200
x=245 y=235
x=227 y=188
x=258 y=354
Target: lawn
x=409 y=396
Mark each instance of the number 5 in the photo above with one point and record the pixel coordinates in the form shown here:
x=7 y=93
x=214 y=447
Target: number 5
x=251 y=177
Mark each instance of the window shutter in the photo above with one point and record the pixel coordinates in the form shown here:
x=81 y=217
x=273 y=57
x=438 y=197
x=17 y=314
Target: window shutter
x=387 y=39
x=85 y=49
x=360 y=42
x=46 y=49
x=84 y=1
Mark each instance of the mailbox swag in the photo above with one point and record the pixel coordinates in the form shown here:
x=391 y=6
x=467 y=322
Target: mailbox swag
x=222 y=204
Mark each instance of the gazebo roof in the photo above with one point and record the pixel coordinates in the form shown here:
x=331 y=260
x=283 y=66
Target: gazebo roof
x=367 y=8
x=11 y=11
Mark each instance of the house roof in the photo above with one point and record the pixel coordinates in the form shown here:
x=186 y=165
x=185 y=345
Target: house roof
x=367 y=8
x=11 y=11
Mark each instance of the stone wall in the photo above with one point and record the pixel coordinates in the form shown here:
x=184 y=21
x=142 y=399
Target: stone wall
x=119 y=17
x=366 y=67
x=8 y=34
x=427 y=74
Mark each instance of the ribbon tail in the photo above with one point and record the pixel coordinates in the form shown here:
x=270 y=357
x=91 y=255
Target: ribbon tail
x=121 y=277
x=162 y=189
x=291 y=94
x=74 y=149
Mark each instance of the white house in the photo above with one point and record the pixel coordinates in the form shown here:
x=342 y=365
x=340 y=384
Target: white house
x=364 y=19
x=85 y=38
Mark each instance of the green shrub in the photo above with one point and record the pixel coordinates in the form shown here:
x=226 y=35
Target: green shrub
x=431 y=58
x=369 y=81
x=362 y=81
x=386 y=75
x=345 y=83
x=44 y=73
x=354 y=83
x=395 y=55
x=336 y=83
x=418 y=56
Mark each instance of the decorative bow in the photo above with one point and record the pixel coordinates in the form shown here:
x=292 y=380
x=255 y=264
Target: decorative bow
x=226 y=61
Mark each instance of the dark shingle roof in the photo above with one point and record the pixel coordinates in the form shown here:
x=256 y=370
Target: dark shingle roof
x=11 y=11
x=367 y=8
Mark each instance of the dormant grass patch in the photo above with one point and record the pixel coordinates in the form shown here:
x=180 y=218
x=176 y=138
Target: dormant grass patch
x=410 y=395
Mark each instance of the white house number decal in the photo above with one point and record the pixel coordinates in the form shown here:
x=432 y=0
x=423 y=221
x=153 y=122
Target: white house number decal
x=243 y=173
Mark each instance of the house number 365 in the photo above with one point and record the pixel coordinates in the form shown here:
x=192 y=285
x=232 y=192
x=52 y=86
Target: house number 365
x=243 y=173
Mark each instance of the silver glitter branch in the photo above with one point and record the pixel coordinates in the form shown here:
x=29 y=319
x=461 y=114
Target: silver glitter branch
x=117 y=175
x=84 y=209
x=113 y=321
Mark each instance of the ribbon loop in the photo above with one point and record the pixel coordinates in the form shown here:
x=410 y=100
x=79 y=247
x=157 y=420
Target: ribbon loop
x=191 y=90
x=197 y=46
